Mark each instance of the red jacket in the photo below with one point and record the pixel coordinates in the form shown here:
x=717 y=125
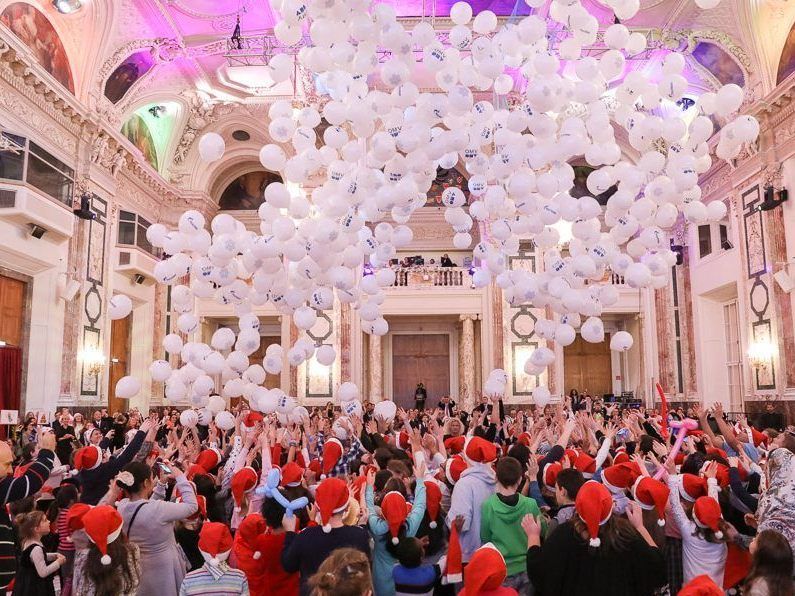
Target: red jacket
x=265 y=574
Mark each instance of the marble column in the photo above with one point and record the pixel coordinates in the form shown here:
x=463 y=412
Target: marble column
x=466 y=370
x=666 y=354
x=785 y=330
x=376 y=368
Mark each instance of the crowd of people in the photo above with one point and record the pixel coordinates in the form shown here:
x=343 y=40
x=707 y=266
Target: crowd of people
x=578 y=498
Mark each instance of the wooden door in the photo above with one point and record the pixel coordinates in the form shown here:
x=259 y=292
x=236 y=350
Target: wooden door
x=587 y=366
x=420 y=358
x=119 y=364
x=12 y=310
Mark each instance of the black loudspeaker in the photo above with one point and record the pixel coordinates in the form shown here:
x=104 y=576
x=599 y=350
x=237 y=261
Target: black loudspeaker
x=37 y=231
x=139 y=279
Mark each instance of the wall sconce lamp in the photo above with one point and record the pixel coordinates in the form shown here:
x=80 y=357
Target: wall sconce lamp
x=93 y=359
x=761 y=354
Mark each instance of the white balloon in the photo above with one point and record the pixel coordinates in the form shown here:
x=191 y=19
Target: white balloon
x=541 y=396
x=216 y=403
x=120 y=306
x=326 y=355
x=189 y=418
x=225 y=420
x=211 y=147
x=127 y=387
x=160 y=371
x=621 y=341
x=386 y=410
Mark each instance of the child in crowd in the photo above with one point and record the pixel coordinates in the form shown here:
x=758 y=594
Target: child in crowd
x=771 y=566
x=410 y=575
x=113 y=564
x=501 y=522
x=345 y=572
x=37 y=568
x=67 y=496
x=215 y=576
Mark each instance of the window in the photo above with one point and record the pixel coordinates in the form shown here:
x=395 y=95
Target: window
x=704 y=240
x=723 y=232
x=132 y=232
x=731 y=334
x=39 y=168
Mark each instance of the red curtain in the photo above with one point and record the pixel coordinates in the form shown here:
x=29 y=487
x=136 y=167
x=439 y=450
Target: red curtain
x=10 y=377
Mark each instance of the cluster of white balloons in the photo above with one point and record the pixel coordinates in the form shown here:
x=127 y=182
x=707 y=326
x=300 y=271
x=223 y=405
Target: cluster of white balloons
x=378 y=158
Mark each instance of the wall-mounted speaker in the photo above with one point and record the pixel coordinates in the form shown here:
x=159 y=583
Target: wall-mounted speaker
x=784 y=280
x=68 y=288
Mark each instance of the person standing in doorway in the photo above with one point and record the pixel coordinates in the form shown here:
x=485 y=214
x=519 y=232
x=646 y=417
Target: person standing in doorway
x=420 y=395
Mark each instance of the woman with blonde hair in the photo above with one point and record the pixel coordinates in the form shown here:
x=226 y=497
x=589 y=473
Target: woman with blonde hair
x=345 y=572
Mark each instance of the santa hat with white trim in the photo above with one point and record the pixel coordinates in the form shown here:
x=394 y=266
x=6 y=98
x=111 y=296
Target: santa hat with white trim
x=486 y=570
x=332 y=452
x=651 y=494
x=707 y=514
x=395 y=512
x=88 y=458
x=331 y=497
x=103 y=525
x=594 y=505
x=454 y=566
x=243 y=482
x=215 y=542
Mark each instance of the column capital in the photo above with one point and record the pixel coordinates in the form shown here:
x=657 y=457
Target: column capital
x=469 y=317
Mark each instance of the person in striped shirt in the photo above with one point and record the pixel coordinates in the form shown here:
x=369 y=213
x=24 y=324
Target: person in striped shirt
x=215 y=577
x=13 y=489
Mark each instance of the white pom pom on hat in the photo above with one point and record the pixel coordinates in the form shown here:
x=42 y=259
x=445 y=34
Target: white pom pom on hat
x=595 y=542
x=105 y=559
x=661 y=522
x=215 y=561
x=432 y=525
x=395 y=540
x=719 y=535
x=327 y=528
x=257 y=556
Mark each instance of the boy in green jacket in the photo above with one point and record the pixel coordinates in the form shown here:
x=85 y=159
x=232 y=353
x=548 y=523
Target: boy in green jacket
x=501 y=522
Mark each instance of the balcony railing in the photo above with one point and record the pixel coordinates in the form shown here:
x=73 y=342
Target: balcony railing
x=413 y=277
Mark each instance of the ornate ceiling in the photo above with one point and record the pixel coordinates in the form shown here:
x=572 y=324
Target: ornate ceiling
x=173 y=54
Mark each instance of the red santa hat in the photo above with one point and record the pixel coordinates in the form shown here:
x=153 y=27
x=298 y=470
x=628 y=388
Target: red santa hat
x=455 y=445
x=74 y=516
x=243 y=482
x=209 y=459
x=403 y=440
x=692 y=487
x=485 y=572
x=201 y=512
x=585 y=464
x=433 y=502
x=88 y=458
x=621 y=457
x=706 y=514
x=759 y=438
x=525 y=439
x=594 y=505
x=331 y=498
x=292 y=474
x=250 y=420
x=480 y=451
x=717 y=451
x=103 y=525
x=454 y=566
x=394 y=510
x=453 y=468
x=250 y=529
x=332 y=452
x=551 y=471
x=215 y=542
x=620 y=477
x=701 y=585
x=651 y=494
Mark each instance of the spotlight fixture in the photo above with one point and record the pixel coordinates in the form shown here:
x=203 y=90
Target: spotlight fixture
x=771 y=202
x=85 y=208
x=139 y=279
x=157 y=111
x=67 y=6
x=37 y=231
